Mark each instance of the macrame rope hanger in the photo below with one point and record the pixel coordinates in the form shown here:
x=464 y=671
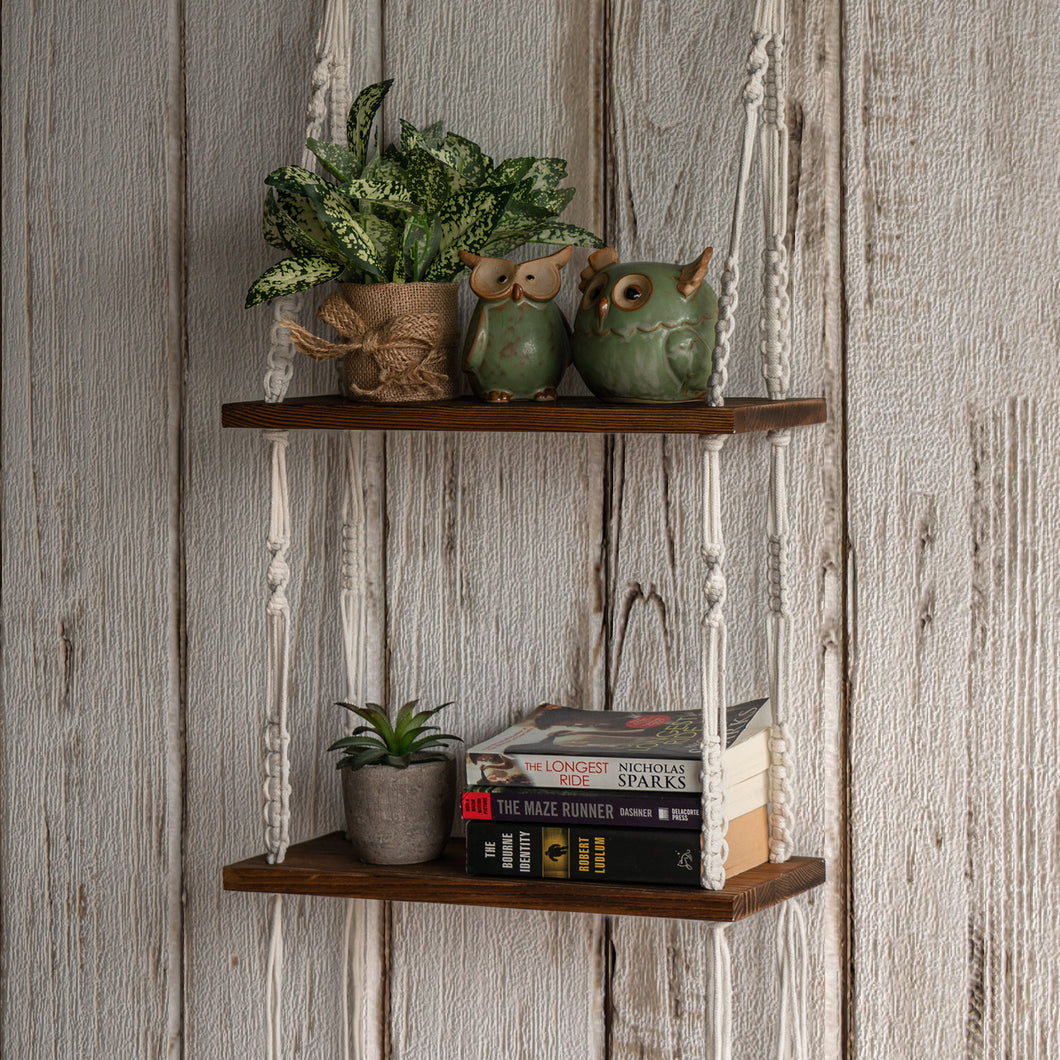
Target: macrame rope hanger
x=328 y=103
x=764 y=119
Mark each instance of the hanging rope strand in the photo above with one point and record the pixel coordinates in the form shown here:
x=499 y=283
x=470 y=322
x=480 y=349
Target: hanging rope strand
x=720 y=996
x=753 y=95
x=715 y=849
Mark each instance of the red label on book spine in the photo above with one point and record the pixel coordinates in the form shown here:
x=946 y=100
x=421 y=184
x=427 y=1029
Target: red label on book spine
x=476 y=806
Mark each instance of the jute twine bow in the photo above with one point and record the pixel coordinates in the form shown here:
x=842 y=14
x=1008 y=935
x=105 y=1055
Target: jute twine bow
x=391 y=346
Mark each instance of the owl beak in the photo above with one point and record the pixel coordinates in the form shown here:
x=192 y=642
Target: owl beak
x=517 y=293
x=602 y=308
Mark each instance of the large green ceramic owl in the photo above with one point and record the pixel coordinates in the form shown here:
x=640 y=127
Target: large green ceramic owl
x=517 y=346
x=645 y=331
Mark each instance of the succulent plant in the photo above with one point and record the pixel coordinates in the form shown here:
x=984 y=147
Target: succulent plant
x=406 y=213
x=409 y=739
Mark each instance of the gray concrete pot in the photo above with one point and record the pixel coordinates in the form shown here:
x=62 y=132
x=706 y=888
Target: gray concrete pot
x=399 y=816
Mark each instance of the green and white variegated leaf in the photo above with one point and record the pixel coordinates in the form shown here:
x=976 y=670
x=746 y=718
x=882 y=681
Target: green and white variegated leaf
x=411 y=139
x=466 y=157
x=315 y=243
x=555 y=202
x=384 y=190
x=270 y=223
x=336 y=159
x=434 y=134
x=386 y=239
x=556 y=233
x=421 y=242
x=295 y=178
x=510 y=171
x=290 y=276
x=468 y=219
x=427 y=180
x=346 y=229
x=359 y=120
x=303 y=213
x=546 y=173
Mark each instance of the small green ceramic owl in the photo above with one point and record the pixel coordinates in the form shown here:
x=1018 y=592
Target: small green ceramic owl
x=518 y=343
x=645 y=331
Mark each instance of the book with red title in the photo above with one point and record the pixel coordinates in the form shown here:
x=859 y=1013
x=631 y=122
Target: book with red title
x=618 y=809
x=657 y=752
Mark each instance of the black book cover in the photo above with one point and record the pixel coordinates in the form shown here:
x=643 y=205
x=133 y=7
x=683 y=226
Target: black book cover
x=582 y=852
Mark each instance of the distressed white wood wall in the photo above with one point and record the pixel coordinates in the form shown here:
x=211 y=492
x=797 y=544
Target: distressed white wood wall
x=925 y=208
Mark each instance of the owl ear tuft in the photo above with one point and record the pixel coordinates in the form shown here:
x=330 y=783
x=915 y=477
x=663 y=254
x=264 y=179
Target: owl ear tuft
x=692 y=274
x=469 y=259
x=598 y=259
x=561 y=257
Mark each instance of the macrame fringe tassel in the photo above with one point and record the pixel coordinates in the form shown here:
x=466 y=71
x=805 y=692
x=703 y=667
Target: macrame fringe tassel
x=274 y=981
x=792 y=1040
x=720 y=995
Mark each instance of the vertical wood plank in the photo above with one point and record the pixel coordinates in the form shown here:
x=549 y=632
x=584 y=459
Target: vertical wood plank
x=89 y=660
x=954 y=698
x=675 y=138
x=248 y=78
x=493 y=548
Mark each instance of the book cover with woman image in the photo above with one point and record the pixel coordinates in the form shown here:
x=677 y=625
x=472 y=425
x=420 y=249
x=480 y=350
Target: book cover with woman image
x=561 y=747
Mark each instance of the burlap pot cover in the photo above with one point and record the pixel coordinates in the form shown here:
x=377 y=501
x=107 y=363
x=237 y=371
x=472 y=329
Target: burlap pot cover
x=401 y=340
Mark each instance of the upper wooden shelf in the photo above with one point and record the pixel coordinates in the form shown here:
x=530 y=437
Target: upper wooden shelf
x=582 y=415
x=326 y=866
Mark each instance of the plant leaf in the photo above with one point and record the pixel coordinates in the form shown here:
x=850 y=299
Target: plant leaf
x=546 y=173
x=296 y=178
x=389 y=191
x=556 y=233
x=336 y=159
x=302 y=244
x=367 y=758
x=421 y=241
x=345 y=228
x=359 y=120
x=434 y=134
x=510 y=171
x=432 y=741
x=352 y=742
x=270 y=227
x=465 y=156
x=468 y=219
x=289 y=276
x=427 y=180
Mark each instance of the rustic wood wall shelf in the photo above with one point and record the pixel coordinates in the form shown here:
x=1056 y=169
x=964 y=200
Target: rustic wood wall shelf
x=580 y=415
x=325 y=866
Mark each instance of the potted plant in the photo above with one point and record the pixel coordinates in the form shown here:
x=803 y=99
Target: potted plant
x=390 y=229
x=397 y=785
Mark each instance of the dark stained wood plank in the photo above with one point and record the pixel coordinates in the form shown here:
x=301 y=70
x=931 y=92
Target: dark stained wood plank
x=325 y=866
x=572 y=415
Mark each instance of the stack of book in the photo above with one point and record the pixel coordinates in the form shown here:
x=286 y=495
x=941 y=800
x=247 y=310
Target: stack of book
x=612 y=796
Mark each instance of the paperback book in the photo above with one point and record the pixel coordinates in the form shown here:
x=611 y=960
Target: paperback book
x=617 y=809
x=608 y=855
x=560 y=747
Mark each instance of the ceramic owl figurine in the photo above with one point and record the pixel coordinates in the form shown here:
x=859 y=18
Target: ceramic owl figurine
x=645 y=331
x=518 y=343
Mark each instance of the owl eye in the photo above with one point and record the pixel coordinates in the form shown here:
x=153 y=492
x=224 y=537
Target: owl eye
x=492 y=278
x=594 y=290
x=632 y=292
x=541 y=283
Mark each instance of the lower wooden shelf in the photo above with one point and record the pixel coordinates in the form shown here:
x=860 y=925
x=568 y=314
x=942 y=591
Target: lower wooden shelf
x=325 y=866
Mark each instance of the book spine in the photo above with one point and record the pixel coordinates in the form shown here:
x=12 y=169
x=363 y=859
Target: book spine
x=617 y=810
x=582 y=852
x=644 y=775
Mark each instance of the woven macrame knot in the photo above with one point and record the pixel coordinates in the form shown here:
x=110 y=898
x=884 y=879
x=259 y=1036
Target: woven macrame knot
x=279 y=573
x=279 y=438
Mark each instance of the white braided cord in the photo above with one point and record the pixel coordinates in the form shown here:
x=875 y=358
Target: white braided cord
x=793 y=1042
x=715 y=849
x=330 y=80
x=753 y=95
x=720 y=997
x=276 y=787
